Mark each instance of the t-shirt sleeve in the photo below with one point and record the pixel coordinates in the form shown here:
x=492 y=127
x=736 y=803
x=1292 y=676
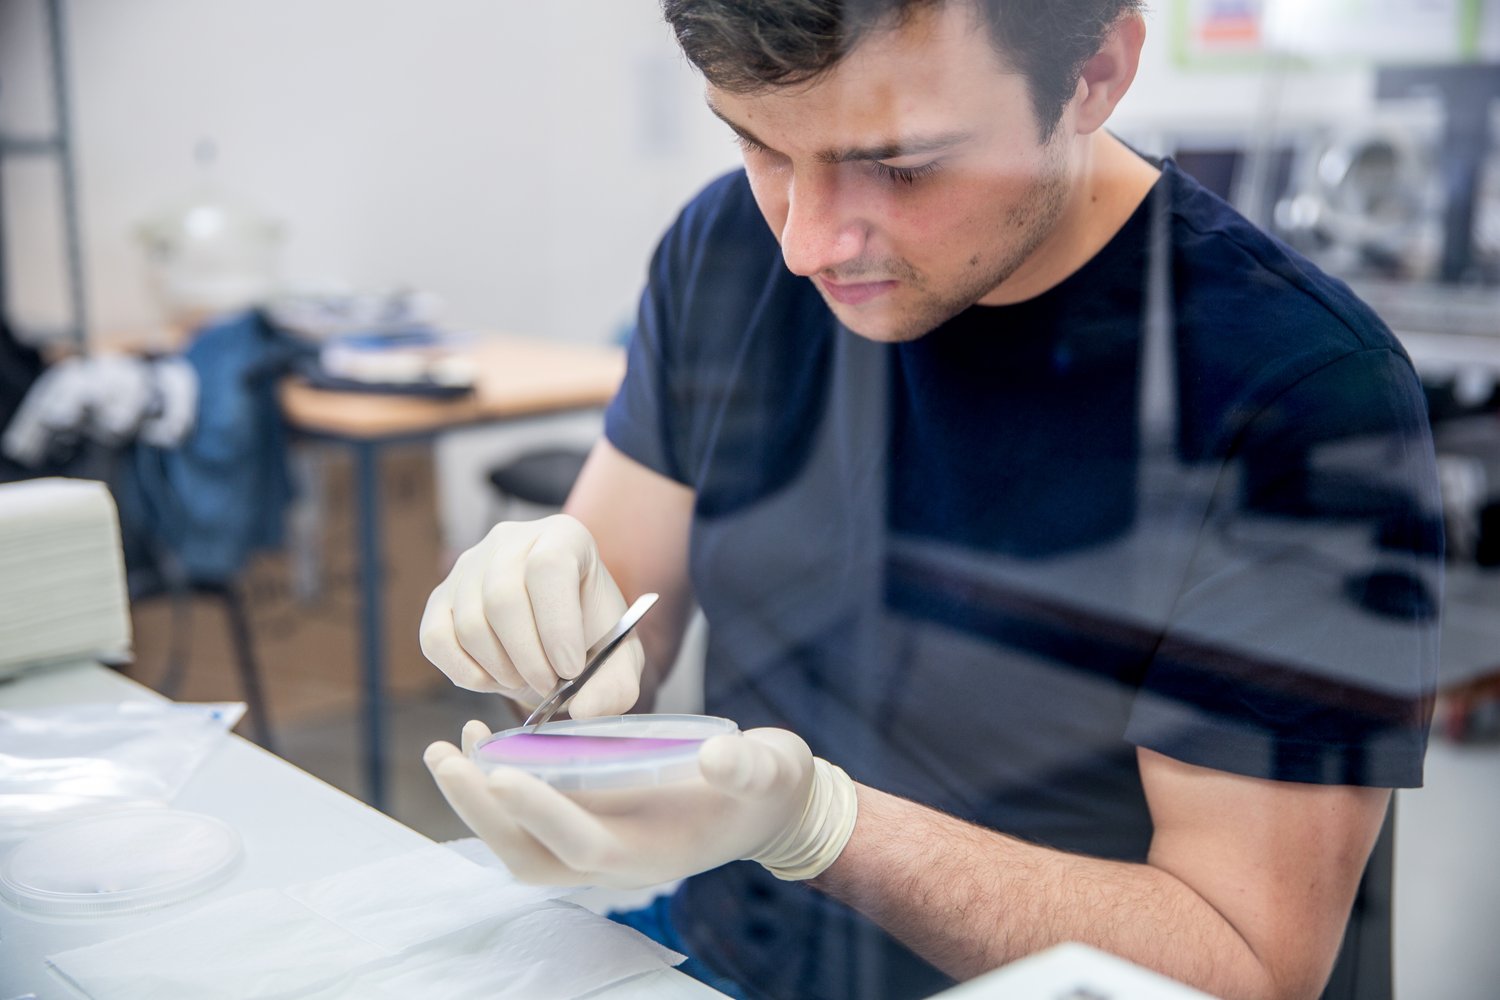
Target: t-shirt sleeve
x=639 y=421
x=1303 y=641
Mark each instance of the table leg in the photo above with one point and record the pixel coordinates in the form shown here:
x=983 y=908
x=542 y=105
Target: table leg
x=372 y=645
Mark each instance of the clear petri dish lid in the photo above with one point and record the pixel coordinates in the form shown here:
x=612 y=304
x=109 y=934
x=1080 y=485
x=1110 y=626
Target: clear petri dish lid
x=120 y=862
x=616 y=751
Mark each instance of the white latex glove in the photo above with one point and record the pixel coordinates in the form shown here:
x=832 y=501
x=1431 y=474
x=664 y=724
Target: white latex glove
x=520 y=608
x=762 y=796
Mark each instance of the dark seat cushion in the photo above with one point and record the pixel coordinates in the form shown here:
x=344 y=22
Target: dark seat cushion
x=541 y=477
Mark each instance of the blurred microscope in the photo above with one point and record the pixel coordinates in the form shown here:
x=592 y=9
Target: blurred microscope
x=1406 y=203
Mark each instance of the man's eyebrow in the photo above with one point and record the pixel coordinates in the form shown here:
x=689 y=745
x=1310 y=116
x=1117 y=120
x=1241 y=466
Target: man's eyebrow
x=739 y=129
x=894 y=149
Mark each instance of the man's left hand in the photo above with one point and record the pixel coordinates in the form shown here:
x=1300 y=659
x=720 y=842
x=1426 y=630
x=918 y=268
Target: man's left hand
x=760 y=796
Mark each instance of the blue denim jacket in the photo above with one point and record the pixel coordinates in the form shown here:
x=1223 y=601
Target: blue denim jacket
x=223 y=492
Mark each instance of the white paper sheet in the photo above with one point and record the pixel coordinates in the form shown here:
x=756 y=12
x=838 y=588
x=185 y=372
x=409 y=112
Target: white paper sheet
x=417 y=897
x=554 y=951
x=426 y=923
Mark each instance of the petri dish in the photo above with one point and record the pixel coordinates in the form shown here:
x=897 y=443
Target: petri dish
x=118 y=863
x=615 y=751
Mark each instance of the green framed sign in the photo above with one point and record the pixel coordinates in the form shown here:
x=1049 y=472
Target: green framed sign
x=1249 y=34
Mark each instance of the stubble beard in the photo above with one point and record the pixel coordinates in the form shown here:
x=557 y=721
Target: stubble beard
x=1030 y=223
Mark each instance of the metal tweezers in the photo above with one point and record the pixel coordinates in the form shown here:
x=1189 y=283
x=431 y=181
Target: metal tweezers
x=592 y=661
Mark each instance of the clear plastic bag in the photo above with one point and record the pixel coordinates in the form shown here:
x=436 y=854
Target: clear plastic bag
x=66 y=761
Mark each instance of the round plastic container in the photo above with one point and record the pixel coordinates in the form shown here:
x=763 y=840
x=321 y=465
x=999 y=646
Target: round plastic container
x=117 y=863
x=616 y=751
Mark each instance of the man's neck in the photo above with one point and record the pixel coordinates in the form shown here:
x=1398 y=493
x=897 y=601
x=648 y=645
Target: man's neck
x=1112 y=183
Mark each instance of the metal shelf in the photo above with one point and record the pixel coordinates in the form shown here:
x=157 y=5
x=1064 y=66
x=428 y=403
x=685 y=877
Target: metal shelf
x=59 y=147
x=15 y=146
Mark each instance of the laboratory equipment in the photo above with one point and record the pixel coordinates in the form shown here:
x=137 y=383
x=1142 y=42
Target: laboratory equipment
x=210 y=253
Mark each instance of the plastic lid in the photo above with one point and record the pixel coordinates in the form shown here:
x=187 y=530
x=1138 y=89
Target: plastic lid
x=617 y=751
x=121 y=862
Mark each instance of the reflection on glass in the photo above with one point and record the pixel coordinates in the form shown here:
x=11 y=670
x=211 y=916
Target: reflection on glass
x=1179 y=498
x=1093 y=531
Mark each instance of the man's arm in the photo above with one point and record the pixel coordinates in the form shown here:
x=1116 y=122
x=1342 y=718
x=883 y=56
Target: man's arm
x=640 y=521
x=1245 y=893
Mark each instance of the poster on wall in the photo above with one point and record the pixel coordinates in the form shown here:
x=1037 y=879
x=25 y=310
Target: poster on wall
x=1219 y=28
x=1236 y=32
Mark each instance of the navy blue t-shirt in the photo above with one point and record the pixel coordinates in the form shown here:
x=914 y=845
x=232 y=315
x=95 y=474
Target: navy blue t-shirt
x=979 y=569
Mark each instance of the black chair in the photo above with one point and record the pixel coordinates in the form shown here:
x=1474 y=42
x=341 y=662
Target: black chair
x=228 y=595
x=543 y=477
x=150 y=572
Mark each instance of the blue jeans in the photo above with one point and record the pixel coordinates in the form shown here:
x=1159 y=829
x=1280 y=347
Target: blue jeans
x=655 y=921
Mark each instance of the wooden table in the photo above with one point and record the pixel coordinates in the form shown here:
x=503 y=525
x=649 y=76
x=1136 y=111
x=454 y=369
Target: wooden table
x=518 y=378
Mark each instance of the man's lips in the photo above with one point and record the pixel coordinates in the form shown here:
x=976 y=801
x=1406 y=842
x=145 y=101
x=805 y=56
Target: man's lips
x=853 y=293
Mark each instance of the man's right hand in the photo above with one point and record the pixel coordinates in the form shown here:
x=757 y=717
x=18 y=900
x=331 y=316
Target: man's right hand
x=518 y=610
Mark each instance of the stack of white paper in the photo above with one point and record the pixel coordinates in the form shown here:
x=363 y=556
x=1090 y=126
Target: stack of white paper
x=62 y=574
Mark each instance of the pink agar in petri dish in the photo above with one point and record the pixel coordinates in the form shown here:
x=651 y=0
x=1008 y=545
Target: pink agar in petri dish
x=551 y=748
x=616 y=751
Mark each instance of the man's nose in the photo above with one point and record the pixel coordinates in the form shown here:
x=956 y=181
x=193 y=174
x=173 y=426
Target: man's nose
x=822 y=230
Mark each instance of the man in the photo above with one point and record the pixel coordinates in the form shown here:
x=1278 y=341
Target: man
x=1045 y=516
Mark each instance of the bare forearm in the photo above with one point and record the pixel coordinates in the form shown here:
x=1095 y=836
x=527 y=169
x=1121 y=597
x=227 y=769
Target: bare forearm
x=970 y=900
x=639 y=521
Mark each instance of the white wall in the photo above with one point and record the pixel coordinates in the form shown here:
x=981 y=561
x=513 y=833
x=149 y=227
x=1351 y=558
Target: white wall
x=517 y=159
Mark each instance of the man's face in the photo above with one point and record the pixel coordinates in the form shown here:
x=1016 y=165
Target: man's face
x=909 y=182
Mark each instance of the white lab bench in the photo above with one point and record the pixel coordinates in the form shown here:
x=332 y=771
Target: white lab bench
x=294 y=827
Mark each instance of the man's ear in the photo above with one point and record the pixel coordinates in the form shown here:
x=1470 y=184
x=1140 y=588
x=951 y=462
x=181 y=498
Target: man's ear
x=1108 y=73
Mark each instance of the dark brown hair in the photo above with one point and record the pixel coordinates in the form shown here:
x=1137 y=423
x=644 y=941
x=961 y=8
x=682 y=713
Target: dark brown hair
x=748 y=46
